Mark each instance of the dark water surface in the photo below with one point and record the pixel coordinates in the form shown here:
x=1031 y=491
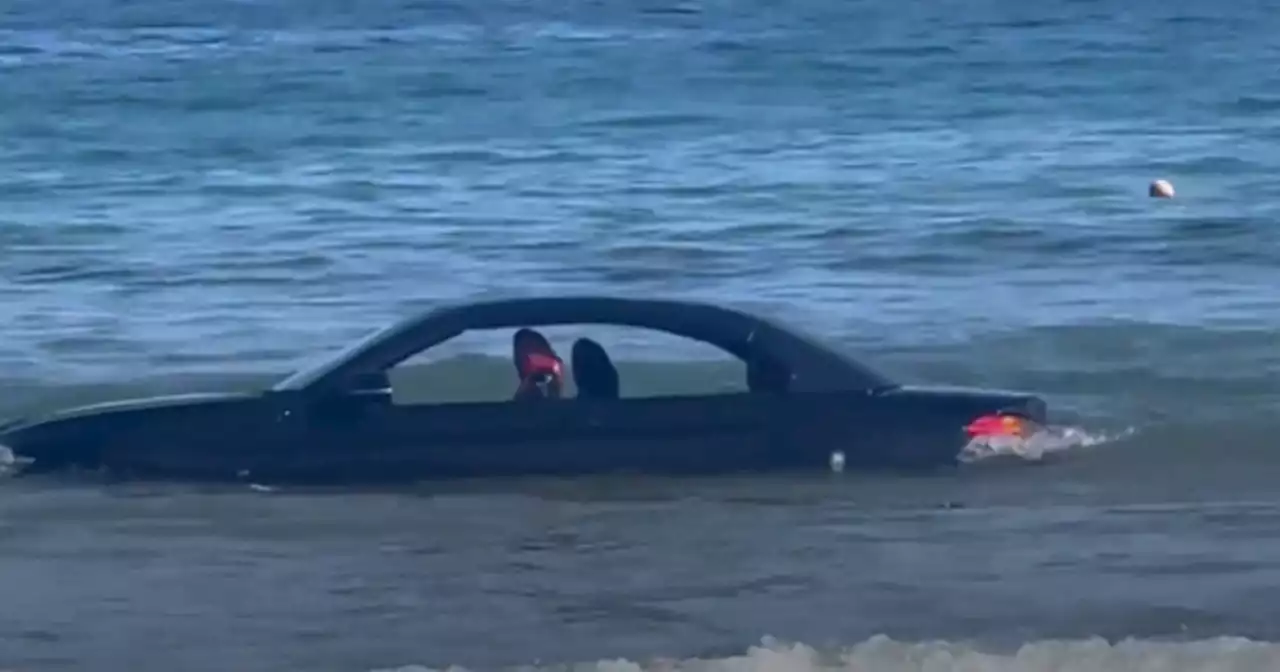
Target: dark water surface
x=201 y=194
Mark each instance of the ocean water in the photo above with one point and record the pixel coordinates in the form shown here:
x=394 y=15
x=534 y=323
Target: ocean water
x=203 y=193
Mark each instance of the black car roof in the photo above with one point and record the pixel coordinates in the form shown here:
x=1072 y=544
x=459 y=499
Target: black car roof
x=740 y=333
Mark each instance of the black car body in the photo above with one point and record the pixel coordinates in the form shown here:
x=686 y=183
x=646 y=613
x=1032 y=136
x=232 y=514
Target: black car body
x=337 y=423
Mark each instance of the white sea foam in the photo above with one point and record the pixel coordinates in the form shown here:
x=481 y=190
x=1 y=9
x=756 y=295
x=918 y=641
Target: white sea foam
x=882 y=654
x=1045 y=443
x=10 y=463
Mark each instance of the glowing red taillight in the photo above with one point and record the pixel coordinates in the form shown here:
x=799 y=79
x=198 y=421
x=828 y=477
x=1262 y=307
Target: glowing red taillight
x=997 y=425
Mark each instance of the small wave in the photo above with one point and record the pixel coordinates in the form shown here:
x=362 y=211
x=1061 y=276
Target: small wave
x=1048 y=442
x=883 y=654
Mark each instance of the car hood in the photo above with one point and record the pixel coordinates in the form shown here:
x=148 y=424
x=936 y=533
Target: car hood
x=128 y=405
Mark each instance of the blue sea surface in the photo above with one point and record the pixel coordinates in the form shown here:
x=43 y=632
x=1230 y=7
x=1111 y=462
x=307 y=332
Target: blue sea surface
x=226 y=184
x=954 y=190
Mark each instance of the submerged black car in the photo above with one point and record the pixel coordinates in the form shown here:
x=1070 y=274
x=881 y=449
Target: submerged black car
x=807 y=407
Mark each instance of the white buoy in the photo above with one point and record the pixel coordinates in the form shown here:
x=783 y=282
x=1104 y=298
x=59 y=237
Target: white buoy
x=1160 y=189
x=837 y=461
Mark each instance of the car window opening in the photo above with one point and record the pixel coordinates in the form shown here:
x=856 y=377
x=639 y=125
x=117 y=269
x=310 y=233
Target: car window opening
x=537 y=367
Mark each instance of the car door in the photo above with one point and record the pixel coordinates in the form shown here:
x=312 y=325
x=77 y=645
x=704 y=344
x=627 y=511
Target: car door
x=714 y=433
x=703 y=434
x=399 y=441
x=692 y=434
